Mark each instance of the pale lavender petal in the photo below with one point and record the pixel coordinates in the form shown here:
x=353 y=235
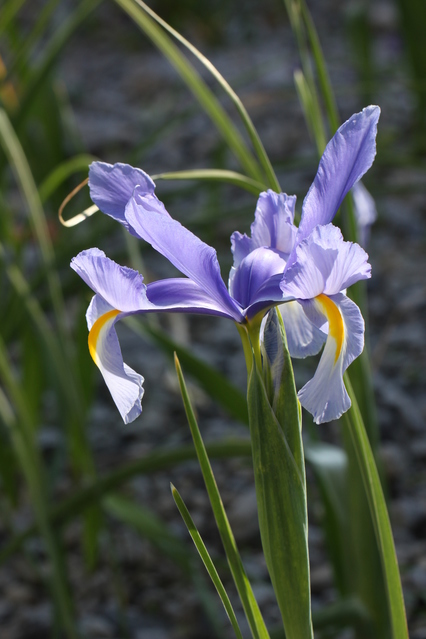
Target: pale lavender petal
x=303 y=337
x=348 y=155
x=365 y=212
x=112 y=186
x=124 y=384
x=324 y=263
x=183 y=249
x=325 y=395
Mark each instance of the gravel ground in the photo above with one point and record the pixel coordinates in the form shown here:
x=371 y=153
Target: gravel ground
x=122 y=94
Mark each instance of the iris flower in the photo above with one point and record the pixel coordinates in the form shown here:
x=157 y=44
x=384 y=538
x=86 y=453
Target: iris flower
x=305 y=270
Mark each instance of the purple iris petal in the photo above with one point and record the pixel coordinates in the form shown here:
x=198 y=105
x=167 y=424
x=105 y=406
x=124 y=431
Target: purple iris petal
x=183 y=295
x=254 y=270
x=183 y=249
x=111 y=187
x=348 y=155
x=273 y=224
x=121 y=287
x=325 y=263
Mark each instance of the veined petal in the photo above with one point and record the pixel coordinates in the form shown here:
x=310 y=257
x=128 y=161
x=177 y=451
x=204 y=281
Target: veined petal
x=303 y=337
x=124 y=384
x=183 y=249
x=325 y=395
x=347 y=156
x=184 y=296
x=120 y=286
x=112 y=186
x=324 y=263
x=273 y=226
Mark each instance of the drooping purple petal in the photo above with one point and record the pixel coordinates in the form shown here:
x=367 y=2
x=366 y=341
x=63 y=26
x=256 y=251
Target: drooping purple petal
x=324 y=263
x=183 y=249
x=325 y=395
x=112 y=186
x=124 y=384
x=303 y=337
x=348 y=155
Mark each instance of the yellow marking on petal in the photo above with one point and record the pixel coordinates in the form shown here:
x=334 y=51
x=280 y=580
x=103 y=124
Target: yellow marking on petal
x=336 y=328
x=96 y=329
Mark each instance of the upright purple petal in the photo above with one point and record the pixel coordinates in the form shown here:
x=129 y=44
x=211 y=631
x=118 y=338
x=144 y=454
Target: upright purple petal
x=273 y=226
x=112 y=186
x=183 y=249
x=348 y=155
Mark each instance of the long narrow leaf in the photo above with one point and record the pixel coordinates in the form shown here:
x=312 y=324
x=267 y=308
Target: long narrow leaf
x=207 y=560
x=379 y=515
x=215 y=175
x=199 y=88
x=158 y=460
x=251 y=130
x=251 y=608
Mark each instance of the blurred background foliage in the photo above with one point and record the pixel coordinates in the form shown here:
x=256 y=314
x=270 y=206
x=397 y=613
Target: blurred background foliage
x=51 y=470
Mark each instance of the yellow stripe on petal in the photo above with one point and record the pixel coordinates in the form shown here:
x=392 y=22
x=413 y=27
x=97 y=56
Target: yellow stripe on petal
x=336 y=327
x=96 y=331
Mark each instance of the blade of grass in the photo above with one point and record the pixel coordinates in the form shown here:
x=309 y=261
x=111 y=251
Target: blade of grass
x=19 y=164
x=251 y=608
x=245 y=118
x=199 y=88
x=207 y=560
x=150 y=526
x=215 y=175
x=7 y=12
x=62 y=172
x=379 y=515
x=50 y=56
x=156 y=461
x=23 y=438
